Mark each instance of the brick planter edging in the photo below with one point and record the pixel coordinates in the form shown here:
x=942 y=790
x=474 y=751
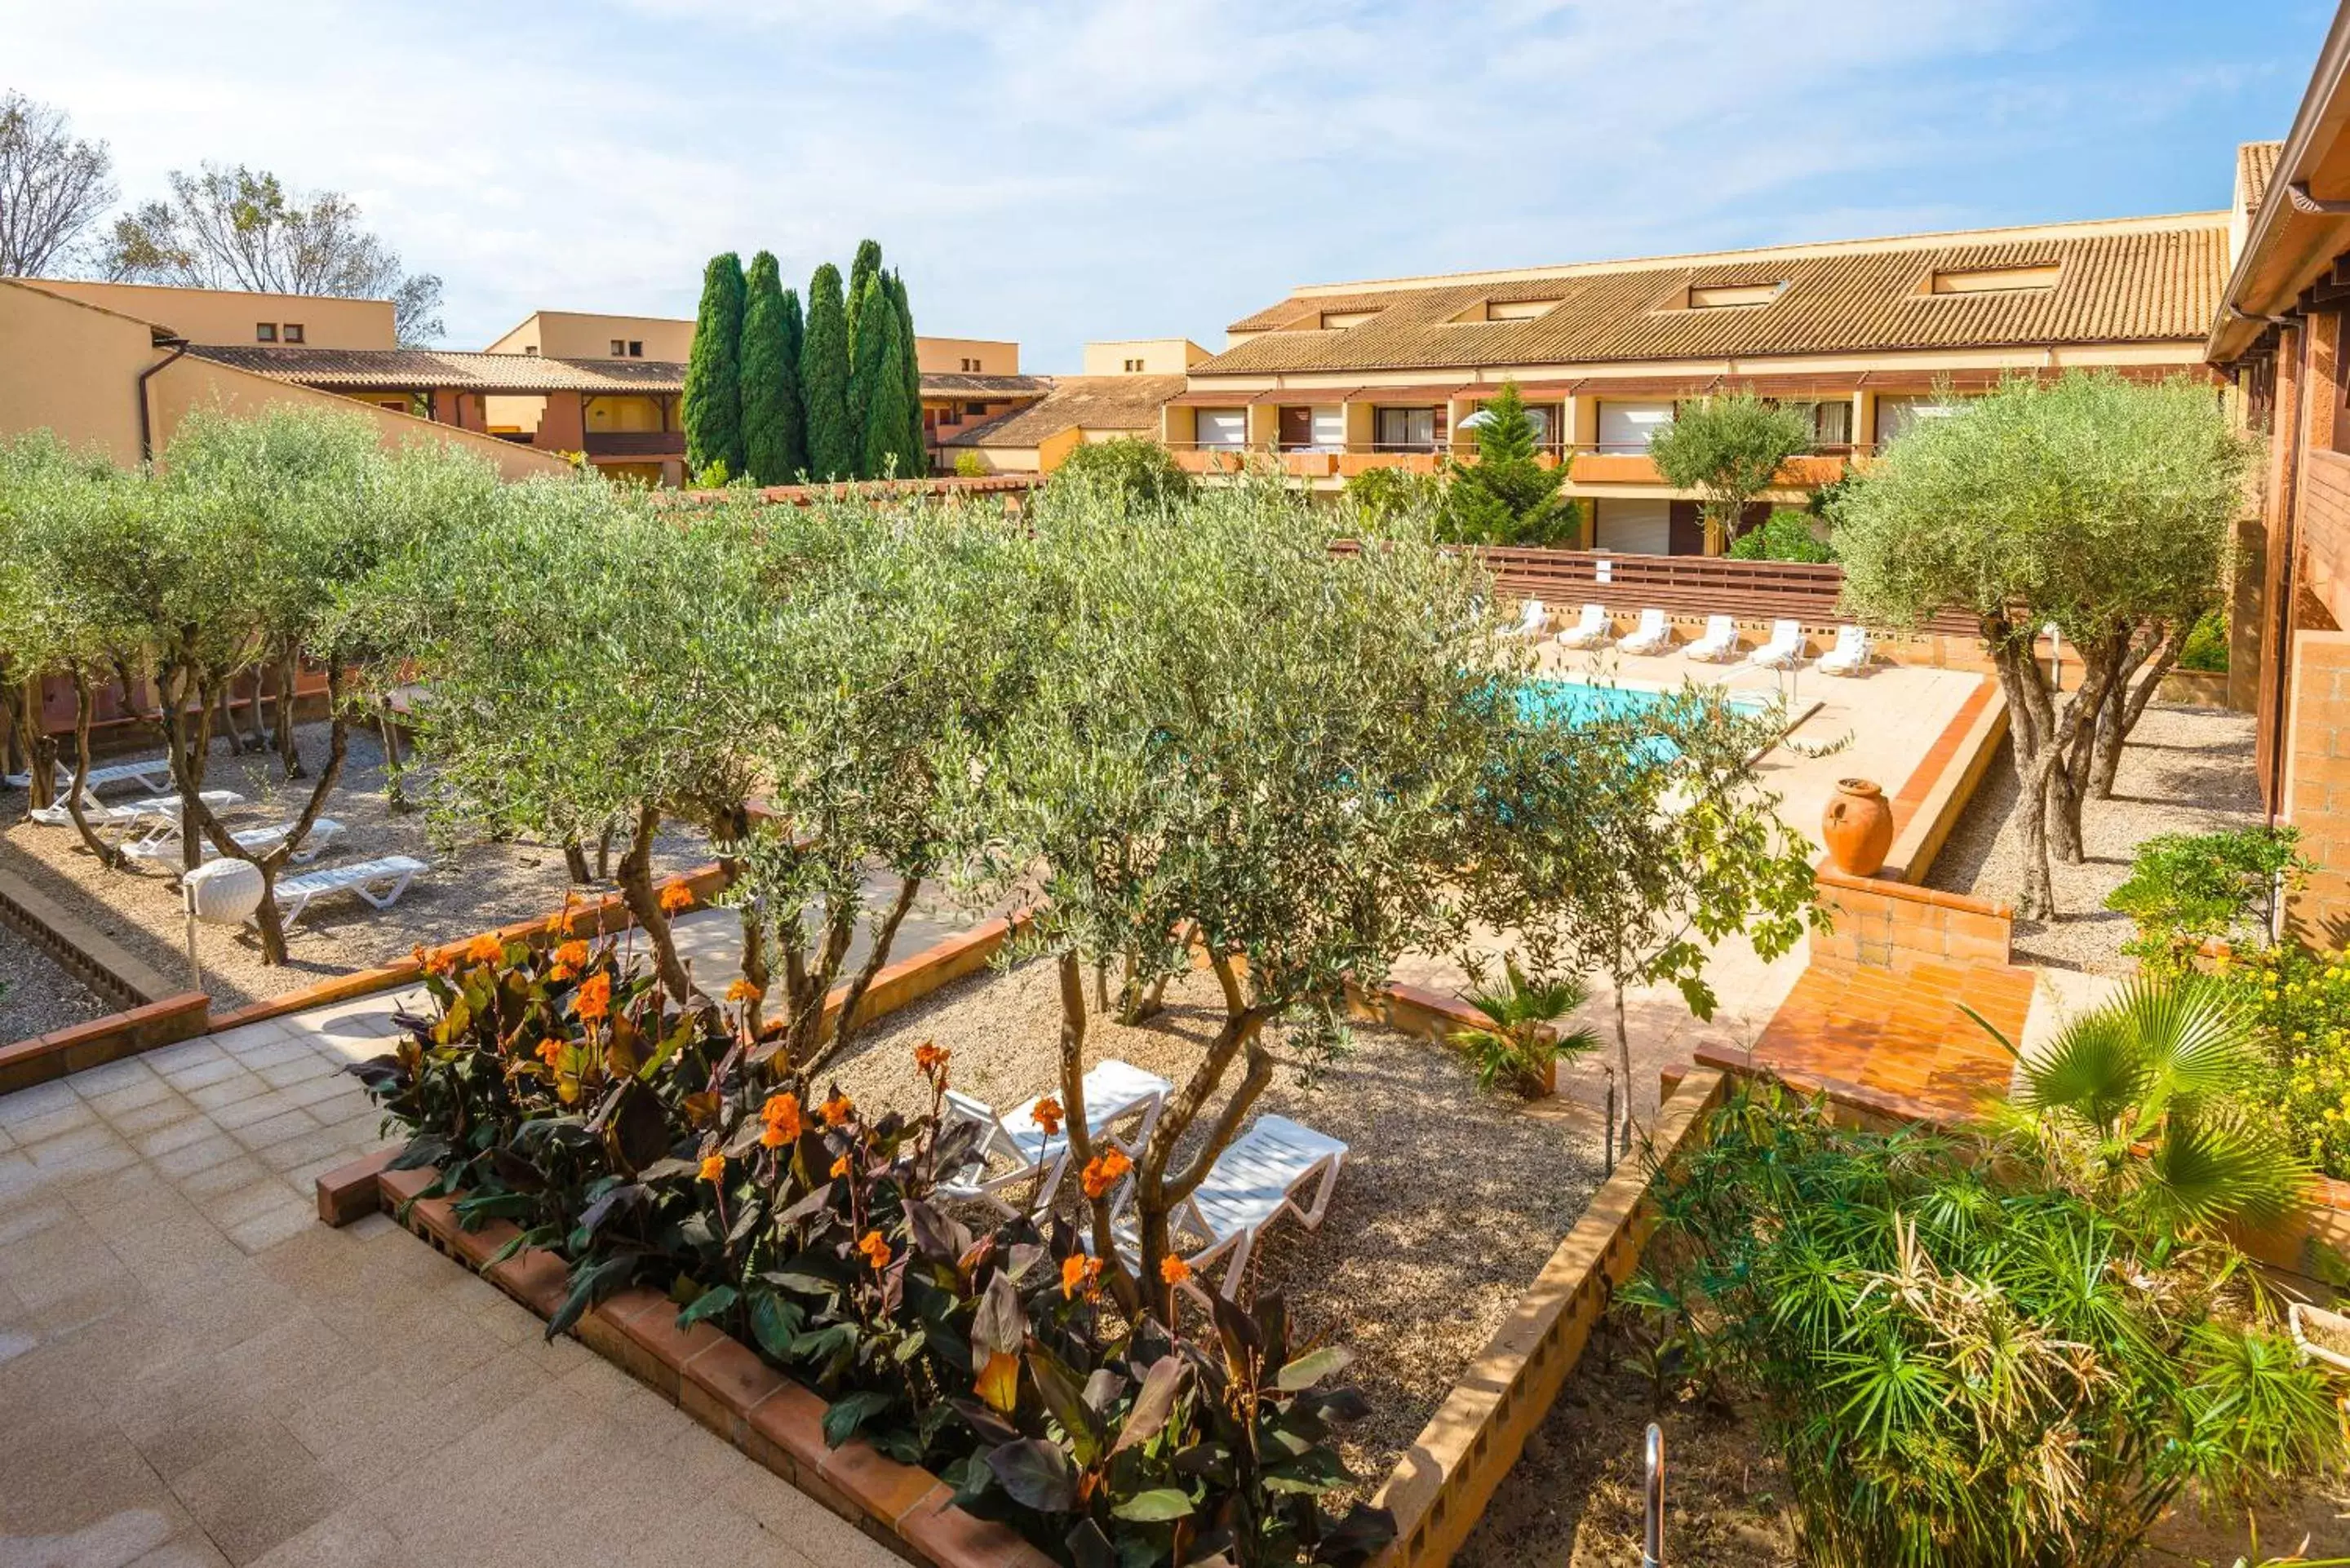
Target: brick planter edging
x=92 y=957
x=1440 y=1488
x=708 y=1374
x=103 y=1040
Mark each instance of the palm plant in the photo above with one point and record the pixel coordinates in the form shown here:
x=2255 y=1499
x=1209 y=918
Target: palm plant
x=2147 y=1095
x=1520 y=1044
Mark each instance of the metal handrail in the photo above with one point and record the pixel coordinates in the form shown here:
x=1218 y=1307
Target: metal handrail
x=1652 y=1540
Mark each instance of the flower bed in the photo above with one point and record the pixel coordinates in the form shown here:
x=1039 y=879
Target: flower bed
x=671 y=1155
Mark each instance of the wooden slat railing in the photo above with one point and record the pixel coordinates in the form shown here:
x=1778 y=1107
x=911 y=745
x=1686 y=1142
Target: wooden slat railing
x=1678 y=584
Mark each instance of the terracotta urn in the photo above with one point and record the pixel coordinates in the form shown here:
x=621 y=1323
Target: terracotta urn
x=1859 y=827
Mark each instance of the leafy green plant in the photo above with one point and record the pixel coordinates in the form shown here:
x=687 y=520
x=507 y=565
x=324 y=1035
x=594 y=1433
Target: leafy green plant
x=555 y=1088
x=2186 y=890
x=1507 y=496
x=2147 y=1099
x=2297 y=1004
x=970 y=465
x=1784 y=535
x=2206 y=647
x=1520 y=1044
x=1729 y=448
x=1965 y=1360
x=1137 y=469
x=1384 y=497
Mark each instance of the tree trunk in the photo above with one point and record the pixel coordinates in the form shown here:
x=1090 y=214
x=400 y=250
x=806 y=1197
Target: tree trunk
x=289 y=751
x=637 y=891
x=40 y=752
x=1623 y=1062
x=2127 y=704
x=107 y=855
x=224 y=699
x=1123 y=1287
x=198 y=825
x=575 y=862
x=2030 y=729
x=604 y=853
x=844 y=1027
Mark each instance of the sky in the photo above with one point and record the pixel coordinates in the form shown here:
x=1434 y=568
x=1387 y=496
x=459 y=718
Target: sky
x=1057 y=172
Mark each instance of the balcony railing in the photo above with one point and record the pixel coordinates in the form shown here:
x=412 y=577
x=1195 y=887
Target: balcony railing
x=635 y=443
x=1610 y=462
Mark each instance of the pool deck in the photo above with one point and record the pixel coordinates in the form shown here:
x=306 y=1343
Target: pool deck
x=1892 y=718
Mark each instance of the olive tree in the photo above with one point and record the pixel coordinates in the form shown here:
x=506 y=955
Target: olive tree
x=2095 y=505
x=1728 y=448
x=1247 y=755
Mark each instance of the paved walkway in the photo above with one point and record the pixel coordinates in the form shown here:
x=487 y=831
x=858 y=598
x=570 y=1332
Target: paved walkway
x=1902 y=1038
x=192 y=1370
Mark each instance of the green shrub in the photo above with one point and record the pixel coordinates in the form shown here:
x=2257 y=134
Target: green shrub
x=1136 y=467
x=2186 y=888
x=1520 y=1042
x=1786 y=535
x=1965 y=1361
x=1383 y=497
x=2298 y=1005
x=2206 y=644
x=970 y=465
x=1508 y=496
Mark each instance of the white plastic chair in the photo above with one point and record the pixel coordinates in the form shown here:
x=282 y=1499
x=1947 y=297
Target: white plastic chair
x=163 y=842
x=1114 y=1091
x=1533 y=620
x=1592 y=631
x=1651 y=636
x=391 y=872
x=1783 y=649
x=1850 y=655
x=154 y=777
x=1719 y=643
x=1276 y=1167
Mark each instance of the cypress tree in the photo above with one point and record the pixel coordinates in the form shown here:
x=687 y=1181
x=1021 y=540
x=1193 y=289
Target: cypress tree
x=833 y=443
x=868 y=265
x=770 y=374
x=883 y=384
x=795 y=336
x=712 y=406
x=918 y=457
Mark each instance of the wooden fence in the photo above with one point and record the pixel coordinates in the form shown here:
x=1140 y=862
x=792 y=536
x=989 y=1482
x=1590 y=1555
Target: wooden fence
x=1680 y=586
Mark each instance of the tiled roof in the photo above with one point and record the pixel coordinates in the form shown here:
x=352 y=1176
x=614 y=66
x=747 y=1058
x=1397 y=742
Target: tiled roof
x=961 y=384
x=1085 y=402
x=2139 y=281
x=2256 y=162
x=422 y=369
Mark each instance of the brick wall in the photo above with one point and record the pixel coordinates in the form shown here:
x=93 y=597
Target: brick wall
x=1892 y=925
x=2317 y=782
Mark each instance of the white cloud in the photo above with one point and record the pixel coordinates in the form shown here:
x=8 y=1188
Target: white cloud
x=1053 y=171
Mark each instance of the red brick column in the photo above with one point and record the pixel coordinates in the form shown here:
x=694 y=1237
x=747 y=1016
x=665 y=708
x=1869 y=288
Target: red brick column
x=2317 y=783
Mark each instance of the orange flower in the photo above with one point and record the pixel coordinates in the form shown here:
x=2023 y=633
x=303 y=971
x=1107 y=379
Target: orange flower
x=574 y=953
x=743 y=991
x=550 y=1051
x=595 y=998
x=876 y=1250
x=840 y=1167
x=782 y=1114
x=932 y=1060
x=837 y=1110
x=1079 y=1273
x=485 y=948
x=1048 y=1115
x=713 y=1168
x=440 y=961
x=1174 y=1270
x=560 y=973
x=677 y=896
x=1102 y=1171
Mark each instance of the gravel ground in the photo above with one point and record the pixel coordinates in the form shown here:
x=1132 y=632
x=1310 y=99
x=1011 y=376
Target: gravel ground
x=37 y=994
x=1423 y=1250
x=471 y=885
x=2186 y=770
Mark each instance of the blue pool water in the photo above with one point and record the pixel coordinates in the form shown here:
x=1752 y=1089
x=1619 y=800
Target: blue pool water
x=1578 y=702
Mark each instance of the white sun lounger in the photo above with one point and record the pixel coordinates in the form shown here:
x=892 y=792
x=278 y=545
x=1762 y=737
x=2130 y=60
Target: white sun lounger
x=1651 y=636
x=1533 y=620
x=1783 y=650
x=1114 y=1091
x=391 y=872
x=154 y=777
x=161 y=842
x=1276 y=1167
x=1718 y=644
x=1849 y=656
x=1592 y=631
x=164 y=806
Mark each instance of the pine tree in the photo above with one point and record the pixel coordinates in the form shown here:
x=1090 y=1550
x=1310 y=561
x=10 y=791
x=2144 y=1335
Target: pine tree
x=1506 y=497
x=771 y=444
x=879 y=381
x=714 y=380
x=918 y=456
x=833 y=443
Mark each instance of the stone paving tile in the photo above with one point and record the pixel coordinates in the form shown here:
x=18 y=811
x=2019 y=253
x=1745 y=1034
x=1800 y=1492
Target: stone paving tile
x=194 y=1372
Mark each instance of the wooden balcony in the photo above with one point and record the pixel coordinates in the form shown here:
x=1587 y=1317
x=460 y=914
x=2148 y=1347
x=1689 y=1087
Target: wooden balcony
x=642 y=445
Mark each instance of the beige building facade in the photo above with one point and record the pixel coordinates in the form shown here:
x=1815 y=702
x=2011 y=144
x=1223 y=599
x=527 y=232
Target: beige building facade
x=1143 y=356
x=1866 y=336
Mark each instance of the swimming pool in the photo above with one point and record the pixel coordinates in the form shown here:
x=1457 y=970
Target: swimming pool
x=1579 y=702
